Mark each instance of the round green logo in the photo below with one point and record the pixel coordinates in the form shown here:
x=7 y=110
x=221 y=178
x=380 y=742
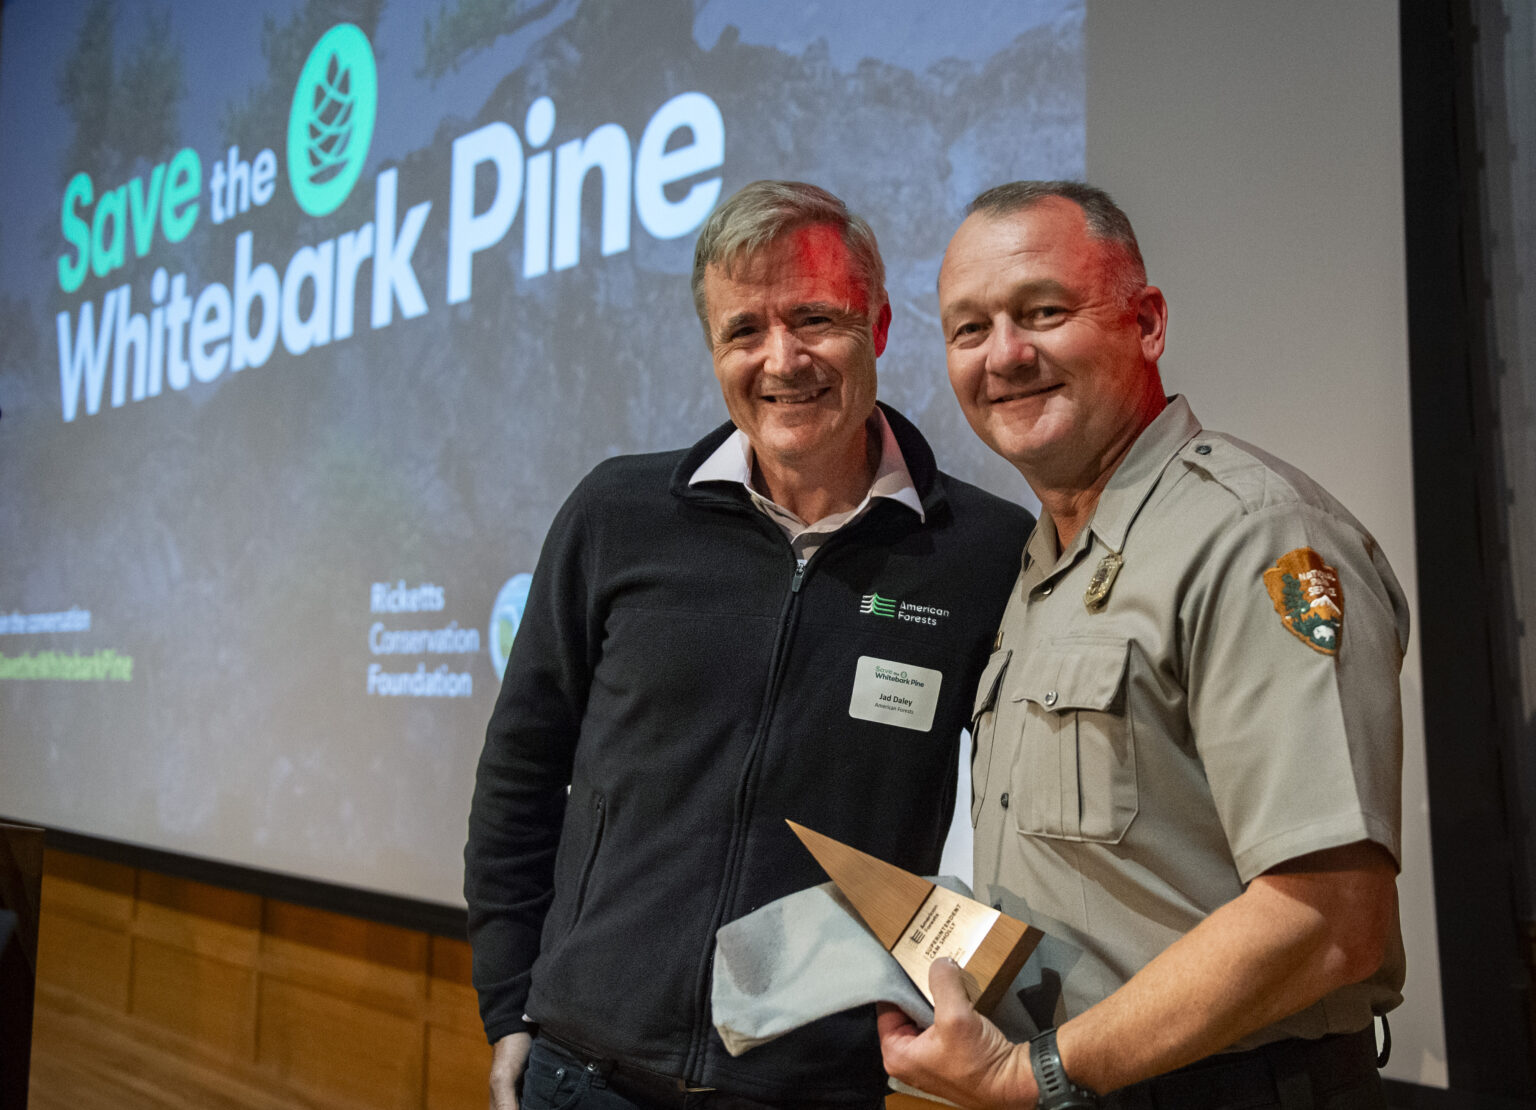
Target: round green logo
x=330 y=125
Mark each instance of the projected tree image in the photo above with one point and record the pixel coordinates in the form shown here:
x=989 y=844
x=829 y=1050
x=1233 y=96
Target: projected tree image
x=234 y=420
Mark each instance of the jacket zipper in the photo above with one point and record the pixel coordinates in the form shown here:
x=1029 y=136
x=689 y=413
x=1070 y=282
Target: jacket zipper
x=744 y=797
x=744 y=793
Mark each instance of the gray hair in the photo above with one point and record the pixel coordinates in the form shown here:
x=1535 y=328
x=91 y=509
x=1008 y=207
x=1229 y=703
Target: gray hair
x=1106 y=222
x=764 y=211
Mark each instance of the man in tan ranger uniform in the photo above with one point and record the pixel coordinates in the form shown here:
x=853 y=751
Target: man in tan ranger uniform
x=1188 y=738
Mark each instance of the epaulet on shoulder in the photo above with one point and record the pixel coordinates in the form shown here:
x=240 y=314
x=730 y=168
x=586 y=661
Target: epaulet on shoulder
x=1256 y=479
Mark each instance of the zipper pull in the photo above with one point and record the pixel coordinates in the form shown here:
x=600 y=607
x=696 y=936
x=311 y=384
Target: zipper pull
x=794 y=585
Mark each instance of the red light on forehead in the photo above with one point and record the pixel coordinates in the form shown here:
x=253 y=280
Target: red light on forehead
x=820 y=253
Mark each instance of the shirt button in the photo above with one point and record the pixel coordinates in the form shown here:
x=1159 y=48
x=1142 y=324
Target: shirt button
x=1050 y=698
x=1045 y=591
x=1203 y=449
x=1005 y=800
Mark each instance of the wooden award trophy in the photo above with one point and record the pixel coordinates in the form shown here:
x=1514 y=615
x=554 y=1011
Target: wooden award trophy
x=918 y=921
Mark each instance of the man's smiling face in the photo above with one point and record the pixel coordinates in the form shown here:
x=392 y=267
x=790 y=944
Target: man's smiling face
x=1050 y=360
x=794 y=338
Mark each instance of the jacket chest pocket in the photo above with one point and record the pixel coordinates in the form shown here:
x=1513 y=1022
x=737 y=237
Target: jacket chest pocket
x=1074 y=769
x=984 y=727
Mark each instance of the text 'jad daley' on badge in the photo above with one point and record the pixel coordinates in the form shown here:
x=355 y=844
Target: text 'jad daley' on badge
x=894 y=693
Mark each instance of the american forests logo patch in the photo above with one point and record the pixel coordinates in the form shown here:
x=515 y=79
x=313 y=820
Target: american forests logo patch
x=1307 y=595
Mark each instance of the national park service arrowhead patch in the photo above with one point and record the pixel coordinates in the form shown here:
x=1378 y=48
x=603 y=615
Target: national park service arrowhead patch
x=1309 y=598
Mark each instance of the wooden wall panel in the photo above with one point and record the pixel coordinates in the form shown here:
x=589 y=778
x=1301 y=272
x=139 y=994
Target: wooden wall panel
x=89 y=888
x=451 y=1000
x=335 y=1048
x=85 y=958
x=457 y=1068
x=206 y=920
x=206 y=1001
x=88 y=1057
x=161 y=992
x=158 y=992
x=458 y=1058
x=375 y=966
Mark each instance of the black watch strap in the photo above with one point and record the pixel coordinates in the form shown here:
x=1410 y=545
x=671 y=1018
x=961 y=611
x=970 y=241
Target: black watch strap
x=1057 y=1092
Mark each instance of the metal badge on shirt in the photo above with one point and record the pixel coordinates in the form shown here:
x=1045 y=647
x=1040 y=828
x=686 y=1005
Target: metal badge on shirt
x=1103 y=580
x=891 y=693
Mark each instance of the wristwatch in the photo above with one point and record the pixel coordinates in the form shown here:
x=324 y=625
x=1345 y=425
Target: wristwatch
x=1057 y=1092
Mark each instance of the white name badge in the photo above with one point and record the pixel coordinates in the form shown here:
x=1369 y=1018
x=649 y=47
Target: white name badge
x=894 y=693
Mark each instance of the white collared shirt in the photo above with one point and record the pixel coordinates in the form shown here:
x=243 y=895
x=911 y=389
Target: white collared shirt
x=732 y=462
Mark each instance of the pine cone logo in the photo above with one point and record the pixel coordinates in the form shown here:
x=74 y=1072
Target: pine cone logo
x=330 y=123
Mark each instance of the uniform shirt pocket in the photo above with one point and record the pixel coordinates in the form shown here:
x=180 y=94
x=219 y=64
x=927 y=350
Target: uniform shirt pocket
x=984 y=726
x=1074 y=769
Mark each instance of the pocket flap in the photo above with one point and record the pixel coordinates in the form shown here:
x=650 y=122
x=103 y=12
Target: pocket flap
x=1074 y=675
x=991 y=681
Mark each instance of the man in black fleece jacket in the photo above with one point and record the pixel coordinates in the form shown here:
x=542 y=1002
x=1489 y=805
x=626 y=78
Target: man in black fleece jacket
x=785 y=621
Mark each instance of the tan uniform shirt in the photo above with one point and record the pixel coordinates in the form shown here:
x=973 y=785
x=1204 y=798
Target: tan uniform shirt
x=1152 y=736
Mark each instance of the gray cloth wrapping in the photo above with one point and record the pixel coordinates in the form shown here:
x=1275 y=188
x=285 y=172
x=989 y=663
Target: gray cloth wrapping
x=808 y=955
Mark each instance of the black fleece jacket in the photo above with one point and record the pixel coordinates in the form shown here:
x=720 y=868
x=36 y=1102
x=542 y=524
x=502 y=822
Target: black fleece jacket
x=693 y=690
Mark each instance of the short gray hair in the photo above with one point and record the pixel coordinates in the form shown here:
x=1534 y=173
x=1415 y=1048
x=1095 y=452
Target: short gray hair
x=762 y=212
x=1105 y=219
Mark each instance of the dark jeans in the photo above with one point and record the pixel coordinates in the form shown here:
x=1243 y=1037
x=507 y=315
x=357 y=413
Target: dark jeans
x=1333 y=1073
x=561 y=1077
